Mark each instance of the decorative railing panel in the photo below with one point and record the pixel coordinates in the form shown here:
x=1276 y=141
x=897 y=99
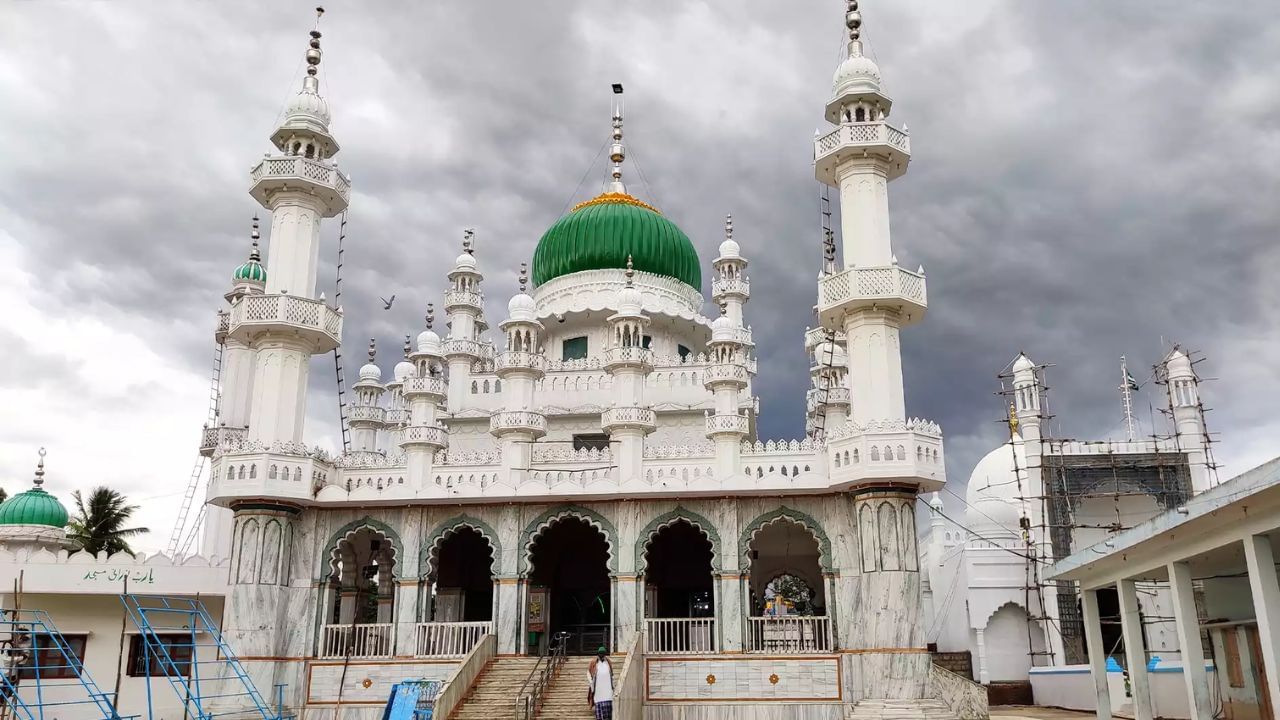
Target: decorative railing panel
x=789 y=634
x=317 y=171
x=680 y=636
x=288 y=310
x=427 y=385
x=460 y=346
x=859 y=134
x=364 y=640
x=731 y=286
x=366 y=413
x=628 y=417
x=426 y=434
x=468 y=298
x=518 y=420
x=520 y=360
x=448 y=639
x=727 y=424
x=871 y=284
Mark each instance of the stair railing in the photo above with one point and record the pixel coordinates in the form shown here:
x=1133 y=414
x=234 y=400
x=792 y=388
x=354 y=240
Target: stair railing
x=535 y=686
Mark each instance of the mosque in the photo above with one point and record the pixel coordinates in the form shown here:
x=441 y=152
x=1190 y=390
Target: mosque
x=588 y=474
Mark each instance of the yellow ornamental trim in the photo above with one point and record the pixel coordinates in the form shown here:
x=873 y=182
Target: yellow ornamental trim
x=613 y=198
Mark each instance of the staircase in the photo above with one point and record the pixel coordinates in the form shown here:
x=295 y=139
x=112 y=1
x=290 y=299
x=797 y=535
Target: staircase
x=899 y=710
x=493 y=695
x=567 y=696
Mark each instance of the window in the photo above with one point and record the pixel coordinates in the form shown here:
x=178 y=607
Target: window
x=48 y=660
x=646 y=341
x=591 y=442
x=177 y=646
x=683 y=352
x=574 y=349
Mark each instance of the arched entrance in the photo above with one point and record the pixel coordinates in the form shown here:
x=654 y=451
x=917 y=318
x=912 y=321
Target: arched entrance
x=679 y=599
x=569 y=587
x=786 y=594
x=359 y=610
x=457 y=593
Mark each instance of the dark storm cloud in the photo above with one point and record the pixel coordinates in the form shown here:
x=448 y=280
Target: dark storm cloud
x=1088 y=178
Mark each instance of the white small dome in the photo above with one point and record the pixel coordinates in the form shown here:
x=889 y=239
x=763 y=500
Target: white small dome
x=1023 y=363
x=522 y=307
x=992 y=494
x=1178 y=365
x=465 y=261
x=429 y=342
x=307 y=106
x=630 y=302
x=723 y=329
x=371 y=372
x=830 y=353
x=403 y=371
x=729 y=250
x=858 y=73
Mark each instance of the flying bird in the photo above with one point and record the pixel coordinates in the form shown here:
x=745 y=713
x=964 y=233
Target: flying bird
x=387 y=302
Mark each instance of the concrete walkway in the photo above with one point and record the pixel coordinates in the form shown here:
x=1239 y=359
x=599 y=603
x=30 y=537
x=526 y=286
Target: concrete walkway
x=1031 y=712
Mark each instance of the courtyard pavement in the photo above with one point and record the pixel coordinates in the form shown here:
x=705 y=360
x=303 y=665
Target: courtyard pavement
x=1031 y=712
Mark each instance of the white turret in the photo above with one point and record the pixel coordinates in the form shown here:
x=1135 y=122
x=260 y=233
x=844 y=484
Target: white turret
x=367 y=416
x=424 y=389
x=1188 y=416
x=397 y=410
x=464 y=304
x=520 y=366
x=730 y=287
x=726 y=377
x=629 y=362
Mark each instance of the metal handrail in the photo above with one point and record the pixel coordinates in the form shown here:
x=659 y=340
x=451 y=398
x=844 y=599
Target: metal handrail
x=548 y=665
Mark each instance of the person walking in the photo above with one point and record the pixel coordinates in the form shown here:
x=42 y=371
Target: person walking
x=600 y=685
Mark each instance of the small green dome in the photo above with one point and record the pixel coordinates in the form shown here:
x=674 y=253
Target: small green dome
x=601 y=233
x=251 y=271
x=33 y=507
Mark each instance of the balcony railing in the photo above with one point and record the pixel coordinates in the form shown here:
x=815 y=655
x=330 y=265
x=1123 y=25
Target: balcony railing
x=366 y=413
x=366 y=640
x=728 y=372
x=680 y=636
x=789 y=634
x=627 y=356
x=520 y=360
x=306 y=169
x=731 y=286
x=864 y=133
x=212 y=438
x=726 y=424
x=425 y=386
x=519 y=420
x=461 y=346
x=448 y=639
x=455 y=298
x=636 y=417
x=289 y=310
x=425 y=435
x=867 y=286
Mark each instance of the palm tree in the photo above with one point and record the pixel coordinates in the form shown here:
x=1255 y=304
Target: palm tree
x=99 y=524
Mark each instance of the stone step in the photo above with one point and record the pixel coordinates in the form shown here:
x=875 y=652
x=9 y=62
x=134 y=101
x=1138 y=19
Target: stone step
x=884 y=709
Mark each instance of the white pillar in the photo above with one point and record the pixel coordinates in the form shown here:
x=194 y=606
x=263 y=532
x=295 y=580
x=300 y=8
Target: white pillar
x=295 y=244
x=1097 y=652
x=1266 y=605
x=864 y=212
x=237 y=384
x=875 y=365
x=984 y=675
x=1135 y=649
x=1188 y=626
x=282 y=371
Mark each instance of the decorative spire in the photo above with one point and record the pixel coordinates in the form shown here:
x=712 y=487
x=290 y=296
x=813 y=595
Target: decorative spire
x=39 y=478
x=373 y=351
x=468 y=241
x=853 y=21
x=524 y=276
x=254 y=235
x=431 y=315
x=631 y=272
x=408 y=347
x=728 y=226
x=617 y=153
x=310 y=83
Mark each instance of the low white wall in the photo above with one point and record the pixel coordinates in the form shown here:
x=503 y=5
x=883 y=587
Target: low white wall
x=1071 y=687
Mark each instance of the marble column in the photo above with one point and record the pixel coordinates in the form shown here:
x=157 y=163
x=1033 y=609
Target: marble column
x=1263 y=584
x=626 y=601
x=509 y=624
x=1097 y=652
x=729 y=603
x=406 y=616
x=980 y=639
x=1135 y=649
x=1192 y=649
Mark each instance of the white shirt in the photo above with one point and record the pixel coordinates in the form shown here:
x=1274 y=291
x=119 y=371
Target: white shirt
x=603 y=681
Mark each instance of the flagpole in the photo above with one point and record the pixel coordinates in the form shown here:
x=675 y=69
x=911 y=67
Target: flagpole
x=1126 y=392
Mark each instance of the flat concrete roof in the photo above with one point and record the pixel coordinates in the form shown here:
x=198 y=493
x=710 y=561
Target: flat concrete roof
x=1203 y=531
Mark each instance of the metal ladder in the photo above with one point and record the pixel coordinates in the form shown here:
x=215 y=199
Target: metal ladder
x=211 y=419
x=829 y=336
x=42 y=673
x=181 y=638
x=337 y=352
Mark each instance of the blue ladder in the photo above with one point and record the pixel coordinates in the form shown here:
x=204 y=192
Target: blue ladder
x=184 y=645
x=39 y=671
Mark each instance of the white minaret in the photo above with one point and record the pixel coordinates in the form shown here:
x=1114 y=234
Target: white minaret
x=730 y=287
x=1188 y=417
x=366 y=416
x=285 y=326
x=629 y=363
x=520 y=366
x=423 y=393
x=464 y=304
x=872 y=298
x=237 y=357
x=726 y=377
x=397 y=410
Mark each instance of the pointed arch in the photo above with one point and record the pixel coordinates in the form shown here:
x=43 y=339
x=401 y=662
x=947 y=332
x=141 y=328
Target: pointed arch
x=650 y=531
x=431 y=548
x=785 y=513
x=544 y=521
x=327 y=558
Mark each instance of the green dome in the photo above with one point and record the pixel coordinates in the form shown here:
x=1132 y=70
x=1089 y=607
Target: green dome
x=251 y=271
x=33 y=507
x=600 y=233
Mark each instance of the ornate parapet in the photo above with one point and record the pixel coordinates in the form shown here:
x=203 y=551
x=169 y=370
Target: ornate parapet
x=624 y=418
x=863 y=288
x=319 y=325
x=431 y=387
x=507 y=421
x=738 y=425
x=301 y=174
x=519 y=362
x=367 y=415
x=861 y=139
x=726 y=287
x=431 y=437
x=733 y=375
x=455 y=300
x=908 y=452
x=459 y=347
x=617 y=358
x=221 y=438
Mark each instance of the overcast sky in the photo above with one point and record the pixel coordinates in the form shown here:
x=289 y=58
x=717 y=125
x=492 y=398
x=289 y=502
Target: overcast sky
x=1089 y=179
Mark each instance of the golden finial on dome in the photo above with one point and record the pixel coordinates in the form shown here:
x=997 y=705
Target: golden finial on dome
x=1013 y=419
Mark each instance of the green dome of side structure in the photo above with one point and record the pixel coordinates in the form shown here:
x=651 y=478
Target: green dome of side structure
x=601 y=233
x=35 y=506
x=252 y=271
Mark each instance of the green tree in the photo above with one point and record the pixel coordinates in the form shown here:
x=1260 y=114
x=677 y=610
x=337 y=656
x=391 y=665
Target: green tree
x=100 y=523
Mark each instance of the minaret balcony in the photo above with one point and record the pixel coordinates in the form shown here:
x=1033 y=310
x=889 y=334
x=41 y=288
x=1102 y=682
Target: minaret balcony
x=454 y=347
x=830 y=397
x=430 y=437
x=430 y=387
x=726 y=374
x=213 y=439
x=397 y=417
x=367 y=415
x=813 y=337
x=455 y=300
x=301 y=174
x=223 y=327
x=629 y=418
x=890 y=451
x=519 y=362
x=619 y=358
x=286 y=315
x=504 y=422
x=726 y=287
x=861 y=139
x=727 y=425
x=874 y=287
